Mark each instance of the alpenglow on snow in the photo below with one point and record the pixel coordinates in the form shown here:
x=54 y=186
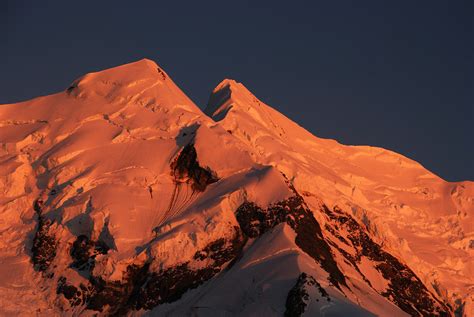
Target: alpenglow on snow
x=119 y=196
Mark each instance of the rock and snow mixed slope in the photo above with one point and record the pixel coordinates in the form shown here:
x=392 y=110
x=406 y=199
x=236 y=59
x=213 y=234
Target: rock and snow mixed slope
x=120 y=196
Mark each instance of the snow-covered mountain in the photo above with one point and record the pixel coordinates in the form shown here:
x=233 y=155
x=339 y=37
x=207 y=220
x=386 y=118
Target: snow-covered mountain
x=119 y=196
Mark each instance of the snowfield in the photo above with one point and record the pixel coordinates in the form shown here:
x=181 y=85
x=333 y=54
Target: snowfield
x=119 y=196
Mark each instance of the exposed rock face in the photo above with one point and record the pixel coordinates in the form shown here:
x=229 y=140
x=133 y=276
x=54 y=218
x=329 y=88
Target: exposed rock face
x=44 y=241
x=117 y=297
x=109 y=298
x=143 y=288
x=255 y=221
x=405 y=289
x=84 y=251
x=75 y=296
x=170 y=284
x=186 y=168
x=298 y=297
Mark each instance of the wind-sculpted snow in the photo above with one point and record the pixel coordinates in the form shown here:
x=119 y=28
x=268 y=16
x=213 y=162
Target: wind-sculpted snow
x=119 y=196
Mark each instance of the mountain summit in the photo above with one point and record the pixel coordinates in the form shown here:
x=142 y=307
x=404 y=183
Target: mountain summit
x=119 y=196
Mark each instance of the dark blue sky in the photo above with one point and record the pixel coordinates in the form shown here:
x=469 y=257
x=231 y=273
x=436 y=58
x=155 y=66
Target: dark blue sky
x=396 y=74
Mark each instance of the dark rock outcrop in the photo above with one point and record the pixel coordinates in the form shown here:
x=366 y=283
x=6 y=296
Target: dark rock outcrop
x=405 y=288
x=186 y=168
x=84 y=251
x=169 y=285
x=118 y=297
x=254 y=221
x=298 y=296
x=143 y=288
x=75 y=296
x=45 y=243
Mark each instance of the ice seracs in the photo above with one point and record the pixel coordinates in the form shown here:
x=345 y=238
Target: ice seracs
x=120 y=196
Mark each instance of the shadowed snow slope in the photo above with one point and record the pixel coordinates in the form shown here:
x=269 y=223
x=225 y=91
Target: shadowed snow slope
x=120 y=196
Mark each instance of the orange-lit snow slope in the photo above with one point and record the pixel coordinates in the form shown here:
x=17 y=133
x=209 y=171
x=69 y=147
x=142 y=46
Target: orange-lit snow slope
x=120 y=196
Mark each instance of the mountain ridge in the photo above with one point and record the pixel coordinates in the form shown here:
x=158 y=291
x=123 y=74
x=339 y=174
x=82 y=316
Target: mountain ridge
x=121 y=178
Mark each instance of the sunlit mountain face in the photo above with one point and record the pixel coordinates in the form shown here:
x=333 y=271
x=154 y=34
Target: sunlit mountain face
x=119 y=196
